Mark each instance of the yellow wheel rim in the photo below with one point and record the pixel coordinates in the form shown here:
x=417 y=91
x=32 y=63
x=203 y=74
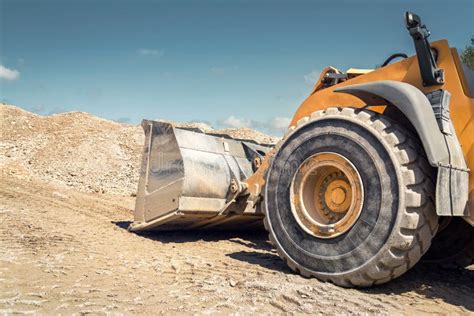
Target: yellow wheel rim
x=327 y=195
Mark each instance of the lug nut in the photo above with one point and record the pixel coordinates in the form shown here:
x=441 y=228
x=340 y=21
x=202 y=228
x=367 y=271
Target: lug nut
x=257 y=162
x=234 y=186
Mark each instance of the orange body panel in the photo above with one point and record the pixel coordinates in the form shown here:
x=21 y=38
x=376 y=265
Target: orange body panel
x=407 y=70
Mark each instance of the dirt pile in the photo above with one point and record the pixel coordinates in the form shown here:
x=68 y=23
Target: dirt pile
x=75 y=149
x=248 y=133
x=237 y=133
x=80 y=150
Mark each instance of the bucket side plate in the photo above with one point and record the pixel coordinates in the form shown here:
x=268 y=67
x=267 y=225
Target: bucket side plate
x=185 y=180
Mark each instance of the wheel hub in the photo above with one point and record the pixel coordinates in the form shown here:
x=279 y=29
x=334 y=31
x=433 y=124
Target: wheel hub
x=335 y=193
x=327 y=195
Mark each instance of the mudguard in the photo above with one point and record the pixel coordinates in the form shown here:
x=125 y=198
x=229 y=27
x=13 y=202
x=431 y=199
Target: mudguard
x=437 y=136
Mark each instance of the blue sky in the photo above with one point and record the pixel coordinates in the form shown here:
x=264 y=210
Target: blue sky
x=247 y=63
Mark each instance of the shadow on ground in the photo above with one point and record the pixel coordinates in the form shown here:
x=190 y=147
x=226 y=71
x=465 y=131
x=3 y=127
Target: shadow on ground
x=256 y=239
x=260 y=252
x=451 y=286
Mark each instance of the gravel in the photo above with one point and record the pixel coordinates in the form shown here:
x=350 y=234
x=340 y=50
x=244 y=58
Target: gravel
x=81 y=151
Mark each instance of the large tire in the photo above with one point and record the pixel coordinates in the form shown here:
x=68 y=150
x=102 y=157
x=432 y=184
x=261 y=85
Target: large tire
x=397 y=219
x=453 y=245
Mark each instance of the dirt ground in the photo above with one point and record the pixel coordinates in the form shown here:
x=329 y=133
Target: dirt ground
x=64 y=248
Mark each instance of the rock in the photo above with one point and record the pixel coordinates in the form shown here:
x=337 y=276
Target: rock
x=59 y=195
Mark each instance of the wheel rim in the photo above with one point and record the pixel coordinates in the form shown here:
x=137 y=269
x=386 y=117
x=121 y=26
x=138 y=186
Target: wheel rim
x=327 y=195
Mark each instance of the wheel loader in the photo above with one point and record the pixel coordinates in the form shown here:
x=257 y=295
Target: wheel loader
x=372 y=174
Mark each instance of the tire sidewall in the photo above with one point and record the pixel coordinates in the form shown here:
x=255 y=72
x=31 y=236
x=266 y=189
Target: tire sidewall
x=367 y=245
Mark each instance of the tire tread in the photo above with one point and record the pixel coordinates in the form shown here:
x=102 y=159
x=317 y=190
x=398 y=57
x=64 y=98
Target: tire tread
x=416 y=225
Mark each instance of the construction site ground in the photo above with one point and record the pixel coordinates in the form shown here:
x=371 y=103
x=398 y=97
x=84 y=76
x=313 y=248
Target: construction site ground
x=67 y=187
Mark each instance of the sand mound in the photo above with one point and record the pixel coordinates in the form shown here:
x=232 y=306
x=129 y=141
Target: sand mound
x=76 y=149
x=80 y=150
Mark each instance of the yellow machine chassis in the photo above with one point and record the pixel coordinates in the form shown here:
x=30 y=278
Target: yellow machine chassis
x=408 y=71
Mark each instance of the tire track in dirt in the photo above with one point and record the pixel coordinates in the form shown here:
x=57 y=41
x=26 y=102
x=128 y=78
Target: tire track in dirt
x=62 y=253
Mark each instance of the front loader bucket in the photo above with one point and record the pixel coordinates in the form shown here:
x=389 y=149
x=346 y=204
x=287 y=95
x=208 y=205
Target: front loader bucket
x=188 y=179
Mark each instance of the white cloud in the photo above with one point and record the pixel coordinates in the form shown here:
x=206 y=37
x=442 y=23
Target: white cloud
x=280 y=123
x=38 y=108
x=312 y=77
x=150 y=52
x=233 y=121
x=275 y=126
x=9 y=74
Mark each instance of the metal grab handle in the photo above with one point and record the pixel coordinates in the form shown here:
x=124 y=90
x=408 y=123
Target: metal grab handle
x=430 y=73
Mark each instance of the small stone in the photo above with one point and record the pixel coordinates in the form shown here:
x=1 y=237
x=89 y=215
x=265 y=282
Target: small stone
x=59 y=195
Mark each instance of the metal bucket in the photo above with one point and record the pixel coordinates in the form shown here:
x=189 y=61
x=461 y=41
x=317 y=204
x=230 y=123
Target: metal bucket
x=189 y=179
